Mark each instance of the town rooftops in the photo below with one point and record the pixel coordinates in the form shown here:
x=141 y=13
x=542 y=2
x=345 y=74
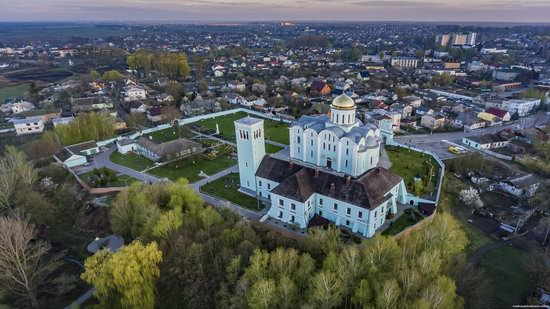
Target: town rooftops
x=487 y=138
x=524 y=181
x=27 y=120
x=299 y=183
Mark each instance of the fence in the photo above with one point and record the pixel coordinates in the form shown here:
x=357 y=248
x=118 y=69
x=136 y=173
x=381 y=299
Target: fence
x=406 y=232
x=414 y=198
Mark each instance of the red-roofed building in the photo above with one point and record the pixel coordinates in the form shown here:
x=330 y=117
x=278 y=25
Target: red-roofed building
x=502 y=114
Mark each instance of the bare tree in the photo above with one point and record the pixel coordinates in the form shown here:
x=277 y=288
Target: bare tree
x=15 y=171
x=25 y=263
x=136 y=121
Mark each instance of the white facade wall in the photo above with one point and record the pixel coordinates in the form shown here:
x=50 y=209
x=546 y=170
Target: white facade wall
x=250 y=150
x=30 y=126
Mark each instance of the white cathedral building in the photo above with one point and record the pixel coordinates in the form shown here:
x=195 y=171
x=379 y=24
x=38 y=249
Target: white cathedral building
x=330 y=170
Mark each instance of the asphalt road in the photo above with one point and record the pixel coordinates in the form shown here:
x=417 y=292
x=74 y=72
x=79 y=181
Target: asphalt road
x=439 y=143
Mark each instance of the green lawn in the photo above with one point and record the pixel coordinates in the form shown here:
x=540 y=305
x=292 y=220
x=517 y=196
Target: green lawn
x=219 y=189
x=274 y=130
x=506 y=270
x=408 y=164
x=403 y=222
x=189 y=170
x=165 y=135
x=122 y=180
x=13 y=92
x=269 y=149
x=131 y=160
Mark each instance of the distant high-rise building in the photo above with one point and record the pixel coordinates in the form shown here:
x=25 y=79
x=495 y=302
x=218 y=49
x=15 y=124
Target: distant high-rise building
x=456 y=39
x=442 y=39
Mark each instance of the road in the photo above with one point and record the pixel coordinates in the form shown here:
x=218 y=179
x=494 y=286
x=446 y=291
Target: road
x=439 y=143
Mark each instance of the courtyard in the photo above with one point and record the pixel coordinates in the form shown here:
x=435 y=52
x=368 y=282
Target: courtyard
x=227 y=188
x=274 y=130
x=411 y=164
x=190 y=168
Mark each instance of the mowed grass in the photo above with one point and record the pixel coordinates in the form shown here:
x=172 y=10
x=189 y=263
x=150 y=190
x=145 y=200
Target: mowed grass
x=226 y=188
x=12 y=92
x=275 y=131
x=269 y=148
x=191 y=167
x=506 y=270
x=131 y=160
x=408 y=164
x=165 y=135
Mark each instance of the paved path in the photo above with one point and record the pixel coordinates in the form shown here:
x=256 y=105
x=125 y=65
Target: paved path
x=102 y=160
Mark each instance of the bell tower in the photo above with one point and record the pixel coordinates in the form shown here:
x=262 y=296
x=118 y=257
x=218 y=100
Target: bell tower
x=249 y=133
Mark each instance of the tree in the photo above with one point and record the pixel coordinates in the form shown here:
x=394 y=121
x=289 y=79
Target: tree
x=389 y=294
x=86 y=127
x=136 y=120
x=262 y=294
x=25 y=262
x=327 y=289
x=94 y=75
x=126 y=278
x=112 y=76
x=471 y=198
x=15 y=173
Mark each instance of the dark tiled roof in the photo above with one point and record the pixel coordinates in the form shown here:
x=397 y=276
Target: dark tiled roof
x=63 y=154
x=82 y=146
x=169 y=148
x=299 y=183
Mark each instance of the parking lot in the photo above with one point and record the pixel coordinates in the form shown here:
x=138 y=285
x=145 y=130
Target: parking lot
x=441 y=148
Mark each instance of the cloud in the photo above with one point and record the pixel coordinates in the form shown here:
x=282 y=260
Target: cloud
x=396 y=4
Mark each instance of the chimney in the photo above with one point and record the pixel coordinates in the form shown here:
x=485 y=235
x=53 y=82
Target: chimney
x=348 y=181
x=332 y=188
x=316 y=173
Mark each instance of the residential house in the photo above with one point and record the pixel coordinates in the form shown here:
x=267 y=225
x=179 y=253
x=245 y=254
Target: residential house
x=413 y=101
x=137 y=107
x=69 y=159
x=499 y=113
x=363 y=75
x=522 y=186
x=62 y=120
x=46 y=114
x=154 y=114
x=28 y=125
x=487 y=141
x=432 y=122
x=21 y=107
x=320 y=87
x=135 y=93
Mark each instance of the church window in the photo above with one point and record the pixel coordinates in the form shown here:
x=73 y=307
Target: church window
x=293 y=206
x=292 y=218
x=311 y=142
x=335 y=206
x=311 y=153
x=334 y=148
x=259 y=183
x=347 y=151
x=268 y=186
x=298 y=139
x=346 y=163
x=348 y=223
x=281 y=203
x=321 y=201
x=348 y=211
x=323 y=146
x=349 y=118
x=371 y=160
x=360 y=214
x=280 y=214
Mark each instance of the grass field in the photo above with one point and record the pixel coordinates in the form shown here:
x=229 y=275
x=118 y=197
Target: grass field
x=218 y=188
x=275 y=131
x=133 y=161
x=505 y=269
x=122 y=181
x=189 y=170
x=166 y=135
x=13 y=92
x=403 y=222
x=408 y=164
x=269 y=149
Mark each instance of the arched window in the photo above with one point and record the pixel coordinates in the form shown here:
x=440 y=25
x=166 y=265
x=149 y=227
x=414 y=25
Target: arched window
x=298 y=139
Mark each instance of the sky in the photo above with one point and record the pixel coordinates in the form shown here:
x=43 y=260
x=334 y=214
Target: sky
x=276 y=10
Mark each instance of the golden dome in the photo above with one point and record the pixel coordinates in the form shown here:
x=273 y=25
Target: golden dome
x=343 y=102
